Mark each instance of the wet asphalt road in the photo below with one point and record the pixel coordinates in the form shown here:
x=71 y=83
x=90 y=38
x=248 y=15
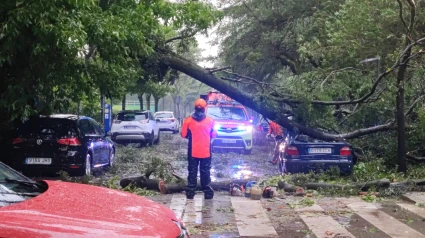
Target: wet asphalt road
x=283 y=216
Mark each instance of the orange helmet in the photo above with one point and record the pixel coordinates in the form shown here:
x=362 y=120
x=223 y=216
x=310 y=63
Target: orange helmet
x=200 y=103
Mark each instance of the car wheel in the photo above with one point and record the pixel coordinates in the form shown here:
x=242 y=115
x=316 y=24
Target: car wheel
x=156 y=142
x=111 y=158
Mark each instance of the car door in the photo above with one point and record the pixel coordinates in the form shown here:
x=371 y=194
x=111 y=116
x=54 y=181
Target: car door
x=103 y=143
x=91 y=139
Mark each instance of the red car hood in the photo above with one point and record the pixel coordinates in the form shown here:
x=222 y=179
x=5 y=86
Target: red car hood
x=77 y=210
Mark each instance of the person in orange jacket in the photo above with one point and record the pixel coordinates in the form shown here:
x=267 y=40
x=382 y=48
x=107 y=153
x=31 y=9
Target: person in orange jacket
x=199 y=129
x=277 y=131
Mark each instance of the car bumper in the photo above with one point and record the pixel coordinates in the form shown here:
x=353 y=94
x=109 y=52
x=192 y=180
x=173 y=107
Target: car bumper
x=305 y=166
x=167 y=127
x=59 y=162
x=233 y=140
x=125 y=136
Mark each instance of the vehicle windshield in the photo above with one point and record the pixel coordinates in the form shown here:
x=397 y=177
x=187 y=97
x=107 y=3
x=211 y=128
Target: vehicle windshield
x=48 y=126
x=163 y=115
x=15 y=187
x=227 y=113
x=132 y=116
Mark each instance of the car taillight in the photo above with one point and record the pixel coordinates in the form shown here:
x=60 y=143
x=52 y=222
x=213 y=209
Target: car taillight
x=172 y=120
x=144 y=121
x=345 y=151
x=69 y=141
x=292 y=150
x=117 y=121
x=17 y=141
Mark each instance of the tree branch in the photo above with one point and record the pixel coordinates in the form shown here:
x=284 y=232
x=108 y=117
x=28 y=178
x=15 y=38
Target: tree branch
x=213 y=70
x=336 y=71
x=180 y=37
x=412 y=106
x=401 y=14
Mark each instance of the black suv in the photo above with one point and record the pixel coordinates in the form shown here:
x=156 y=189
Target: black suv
x=60 y=142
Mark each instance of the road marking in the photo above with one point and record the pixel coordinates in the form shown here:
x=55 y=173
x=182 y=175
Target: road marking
x=193 y=211
x=251 y=218
x=420 y=211
x=383 y=221
x=178 y=203
x=322 y=225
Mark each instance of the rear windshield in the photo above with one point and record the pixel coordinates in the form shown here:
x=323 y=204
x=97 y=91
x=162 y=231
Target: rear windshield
x=227 y=113
x=163 y=115
x=61 y=128
x=132 y=116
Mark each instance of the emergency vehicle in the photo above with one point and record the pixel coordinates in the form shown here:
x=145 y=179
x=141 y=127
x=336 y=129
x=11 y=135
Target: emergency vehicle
x=232 y=123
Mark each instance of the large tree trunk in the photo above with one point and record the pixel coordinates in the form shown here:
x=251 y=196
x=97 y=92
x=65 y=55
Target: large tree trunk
x=156 y=100
x=140 y=97
x=148 y=101
x=123 y=103
x=204 y=76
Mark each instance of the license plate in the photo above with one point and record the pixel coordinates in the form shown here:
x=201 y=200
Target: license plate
x=229 y=141
x=319 y=150
x=130 y=127
x=39 y=160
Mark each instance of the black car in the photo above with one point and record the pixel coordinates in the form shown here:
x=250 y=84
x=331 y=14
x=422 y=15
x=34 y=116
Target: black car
x=302 y=154
x=60 y=142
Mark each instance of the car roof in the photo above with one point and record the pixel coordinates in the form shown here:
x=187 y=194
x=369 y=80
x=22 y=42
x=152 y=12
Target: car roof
x=164 y=112
x=123 y=111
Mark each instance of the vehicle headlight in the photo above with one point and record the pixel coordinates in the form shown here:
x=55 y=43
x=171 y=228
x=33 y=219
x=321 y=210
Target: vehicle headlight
x=245 y=128
x=183 y=231
x=282 y=147
x=217 y=127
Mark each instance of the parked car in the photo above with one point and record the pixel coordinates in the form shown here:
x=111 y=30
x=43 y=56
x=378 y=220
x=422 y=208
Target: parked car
x=135 y=127
x=167 y=121
x=60 y=142
x=301 y=153
x=60 y=209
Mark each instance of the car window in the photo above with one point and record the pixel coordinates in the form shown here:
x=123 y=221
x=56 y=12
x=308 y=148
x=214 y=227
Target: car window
x=227 y=113
x=164 y=115
x=86 y=127
x=61 y=128
x=132 y=116
x=97 y=128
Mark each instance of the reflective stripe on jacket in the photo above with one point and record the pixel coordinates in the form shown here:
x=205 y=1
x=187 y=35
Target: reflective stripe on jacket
x=199 y=134
x=275 y=129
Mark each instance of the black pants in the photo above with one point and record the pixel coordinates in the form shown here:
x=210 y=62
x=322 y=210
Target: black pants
x=205 y=167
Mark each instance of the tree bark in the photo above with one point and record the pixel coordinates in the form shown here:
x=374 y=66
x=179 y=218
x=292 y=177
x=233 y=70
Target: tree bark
x=148 y=101
x=156 y=100
x=202 y=75
x=123 y=103
x=140 y=97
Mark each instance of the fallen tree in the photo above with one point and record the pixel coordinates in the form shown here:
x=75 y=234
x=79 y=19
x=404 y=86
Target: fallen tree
x=207 y=77
x=178 y=187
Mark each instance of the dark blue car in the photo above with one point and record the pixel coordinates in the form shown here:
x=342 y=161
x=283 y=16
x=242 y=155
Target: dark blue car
x=70 y=143
x=302 y=154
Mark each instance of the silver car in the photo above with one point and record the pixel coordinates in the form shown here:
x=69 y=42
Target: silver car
x=135 y=127
x=167 y=121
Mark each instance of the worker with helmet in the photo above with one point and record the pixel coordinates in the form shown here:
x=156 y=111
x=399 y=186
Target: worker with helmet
x=199 y=129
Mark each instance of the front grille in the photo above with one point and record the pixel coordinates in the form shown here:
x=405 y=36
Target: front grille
x=229 y=137
x=229 y=130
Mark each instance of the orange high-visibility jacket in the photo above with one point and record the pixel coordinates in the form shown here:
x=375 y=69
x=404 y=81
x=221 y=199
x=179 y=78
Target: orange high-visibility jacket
x=199 y=134
x=275 y=129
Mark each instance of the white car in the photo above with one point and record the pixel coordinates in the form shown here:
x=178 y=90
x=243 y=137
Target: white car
x=135 y=127
x=167 y=121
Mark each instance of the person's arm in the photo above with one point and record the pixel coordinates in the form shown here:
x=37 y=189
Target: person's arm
x=269 y=132
x=184 y=133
